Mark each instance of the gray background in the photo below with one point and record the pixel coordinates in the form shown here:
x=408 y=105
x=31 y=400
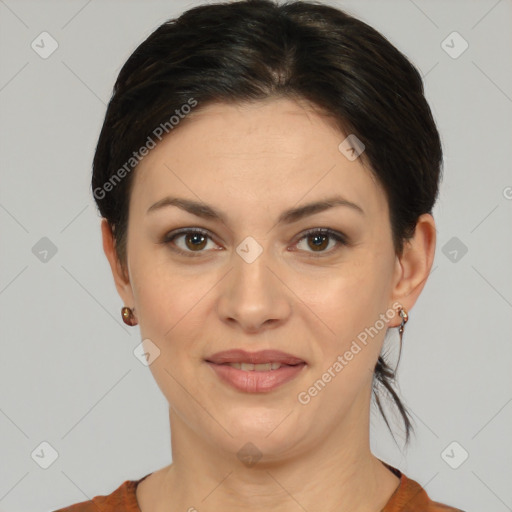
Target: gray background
x=68 y=376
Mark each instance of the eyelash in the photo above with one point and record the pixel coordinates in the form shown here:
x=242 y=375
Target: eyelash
x=339 y=237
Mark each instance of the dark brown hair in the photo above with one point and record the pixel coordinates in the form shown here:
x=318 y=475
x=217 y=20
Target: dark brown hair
x=256 y=49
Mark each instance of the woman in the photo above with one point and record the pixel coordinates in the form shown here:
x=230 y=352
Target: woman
x=266 y=176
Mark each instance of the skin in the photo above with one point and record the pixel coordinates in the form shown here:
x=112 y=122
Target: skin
x=246 y=161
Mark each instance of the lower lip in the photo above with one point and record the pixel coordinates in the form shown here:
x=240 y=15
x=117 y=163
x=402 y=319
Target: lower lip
x=256 y=381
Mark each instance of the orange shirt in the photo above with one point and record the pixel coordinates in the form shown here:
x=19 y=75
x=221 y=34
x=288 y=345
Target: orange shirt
x=408 y=497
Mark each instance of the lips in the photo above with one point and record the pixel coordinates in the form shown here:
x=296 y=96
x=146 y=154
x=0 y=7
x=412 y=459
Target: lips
x=261 y=357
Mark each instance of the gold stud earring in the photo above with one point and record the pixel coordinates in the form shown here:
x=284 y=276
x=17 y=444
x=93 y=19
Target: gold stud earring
x=128 y=316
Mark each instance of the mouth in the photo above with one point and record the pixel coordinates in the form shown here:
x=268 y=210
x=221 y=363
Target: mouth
x=256 y=378
x=255 y=372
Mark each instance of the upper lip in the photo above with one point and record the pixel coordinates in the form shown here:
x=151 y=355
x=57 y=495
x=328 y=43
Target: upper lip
x=260 y=357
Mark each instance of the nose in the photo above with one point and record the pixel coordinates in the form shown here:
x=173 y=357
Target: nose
x=253 y=296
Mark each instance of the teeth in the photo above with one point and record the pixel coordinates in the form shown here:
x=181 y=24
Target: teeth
x=266 y=367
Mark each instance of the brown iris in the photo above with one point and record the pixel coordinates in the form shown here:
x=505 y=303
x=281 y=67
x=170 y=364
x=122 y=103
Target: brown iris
x=194 y=238
x=322 y=244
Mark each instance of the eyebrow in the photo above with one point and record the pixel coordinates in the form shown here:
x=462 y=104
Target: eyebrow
x=206 y=211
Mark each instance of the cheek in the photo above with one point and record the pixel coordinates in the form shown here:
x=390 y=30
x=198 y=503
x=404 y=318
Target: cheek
x=172 y=314
x=175 y=310
x=164 y=292
x=351 y=302
x=168 y=305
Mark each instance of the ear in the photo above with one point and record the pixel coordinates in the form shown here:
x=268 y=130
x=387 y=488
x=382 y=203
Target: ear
x=119 y=273
x=412 y=268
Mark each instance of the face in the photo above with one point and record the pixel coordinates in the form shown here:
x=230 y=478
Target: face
x=255 y=279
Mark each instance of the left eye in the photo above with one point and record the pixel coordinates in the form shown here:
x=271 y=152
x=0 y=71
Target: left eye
x=319 y=238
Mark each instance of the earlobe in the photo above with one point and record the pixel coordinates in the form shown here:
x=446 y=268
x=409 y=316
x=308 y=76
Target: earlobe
x=415 y=263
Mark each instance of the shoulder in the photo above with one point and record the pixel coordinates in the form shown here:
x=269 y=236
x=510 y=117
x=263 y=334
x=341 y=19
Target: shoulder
x=122 y=498
x=411 y=497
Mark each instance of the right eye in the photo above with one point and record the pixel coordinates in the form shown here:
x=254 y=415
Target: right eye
x=194 y=241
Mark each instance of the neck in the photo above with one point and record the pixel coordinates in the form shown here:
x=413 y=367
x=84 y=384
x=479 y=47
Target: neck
x=340 y=472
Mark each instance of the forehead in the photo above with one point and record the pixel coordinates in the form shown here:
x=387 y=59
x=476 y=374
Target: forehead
x=278 y=125
x=268 y=152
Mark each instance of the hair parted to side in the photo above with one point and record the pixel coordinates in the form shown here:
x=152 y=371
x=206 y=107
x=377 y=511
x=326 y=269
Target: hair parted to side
x=251 y=50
